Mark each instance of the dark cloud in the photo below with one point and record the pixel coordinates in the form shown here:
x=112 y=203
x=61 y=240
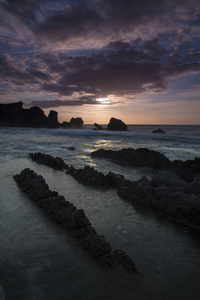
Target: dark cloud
x=123 y=69
x=57 y=103
x=135 y=46
x=13 y=72
x=77 y=20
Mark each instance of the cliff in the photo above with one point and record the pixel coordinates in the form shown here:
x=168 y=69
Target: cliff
x=14 y=115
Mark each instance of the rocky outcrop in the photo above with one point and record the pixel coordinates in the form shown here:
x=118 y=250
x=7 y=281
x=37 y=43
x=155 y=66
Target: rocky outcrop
x=141 y=157
x=98 y=127
x=159 y=130
x=87 y=175
x=14 y=115
x=73 y=220
x=52 y=121
x=167 y=193
x=75 y=123
x=144 y=157
x=116 y=125
x=56 y=163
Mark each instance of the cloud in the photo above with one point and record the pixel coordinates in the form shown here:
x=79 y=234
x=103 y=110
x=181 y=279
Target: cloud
x=118 y=69
x=13 y=71
x=128 y=47
x=58 y=103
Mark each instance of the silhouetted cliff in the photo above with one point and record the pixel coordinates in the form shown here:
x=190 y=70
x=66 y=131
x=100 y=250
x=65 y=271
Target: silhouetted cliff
x=14 y=115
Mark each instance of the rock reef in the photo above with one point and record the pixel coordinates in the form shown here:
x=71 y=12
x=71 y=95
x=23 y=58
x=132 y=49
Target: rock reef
x=73 y=220
x=143 y=157
x=166 y=193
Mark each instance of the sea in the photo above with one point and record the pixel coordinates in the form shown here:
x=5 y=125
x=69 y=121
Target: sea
x=41 y=261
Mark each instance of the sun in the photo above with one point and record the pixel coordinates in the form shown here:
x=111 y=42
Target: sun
x=103 y=100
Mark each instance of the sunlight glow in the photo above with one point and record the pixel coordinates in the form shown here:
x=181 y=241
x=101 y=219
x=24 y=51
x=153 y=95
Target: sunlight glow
x=103 y=100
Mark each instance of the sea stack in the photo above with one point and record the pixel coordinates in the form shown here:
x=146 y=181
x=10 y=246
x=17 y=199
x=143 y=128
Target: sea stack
x=116 y=125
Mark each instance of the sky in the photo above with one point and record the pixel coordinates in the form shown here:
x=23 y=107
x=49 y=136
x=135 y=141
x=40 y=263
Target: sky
x=138 y=61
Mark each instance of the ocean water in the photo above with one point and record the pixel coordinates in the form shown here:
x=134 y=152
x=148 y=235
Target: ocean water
x=39 y=260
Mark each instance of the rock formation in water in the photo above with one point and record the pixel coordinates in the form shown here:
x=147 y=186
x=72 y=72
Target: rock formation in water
x=73 y=220
x=141 y=157
x=87 y=175
x=159 y=130
x=166 y=193
x=14 y=115
x=52 y=121
x=75 y=123
x=116 y=125
x=144 y=157
x=98 y=127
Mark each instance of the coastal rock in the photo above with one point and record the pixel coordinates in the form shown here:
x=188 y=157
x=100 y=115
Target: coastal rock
x=139 y=192
x=141 y=157
x=66 y=215
x=98 y=127
x=87 y=175
x=169 y=179
x=56 y=163
x=14 y=115
x=52 y=121
x=176 y=199
x=90 y=176
x=116 y=125
x=188 y=169
x=76 y=123
x=159 y=130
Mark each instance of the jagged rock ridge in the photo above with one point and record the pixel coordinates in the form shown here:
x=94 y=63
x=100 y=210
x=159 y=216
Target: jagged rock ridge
x=72 y=219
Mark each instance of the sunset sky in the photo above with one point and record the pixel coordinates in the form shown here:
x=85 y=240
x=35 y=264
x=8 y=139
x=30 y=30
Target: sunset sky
x=135 y=60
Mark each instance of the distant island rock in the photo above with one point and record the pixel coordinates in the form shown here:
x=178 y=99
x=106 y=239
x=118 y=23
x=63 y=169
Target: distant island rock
x=159 y=130
x=14 y=115
x=116 y=125
x=98 y=127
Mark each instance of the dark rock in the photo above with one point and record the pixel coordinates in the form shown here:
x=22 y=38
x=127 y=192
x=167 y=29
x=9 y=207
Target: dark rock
x=66 y=215
x=116 y=125
x=52 y=121
x=98 y=127
x=71 y=148
x=168 y=194
x=140 y=192
x=14 y=115
x=64 y=125
x=117 y=180
x=169 y=179
x=76 y=123
x=159 y=130
x=56 y=163
x=141 y=157
x=188 y=169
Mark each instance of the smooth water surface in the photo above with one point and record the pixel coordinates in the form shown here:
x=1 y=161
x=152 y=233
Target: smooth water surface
x=39 y=260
